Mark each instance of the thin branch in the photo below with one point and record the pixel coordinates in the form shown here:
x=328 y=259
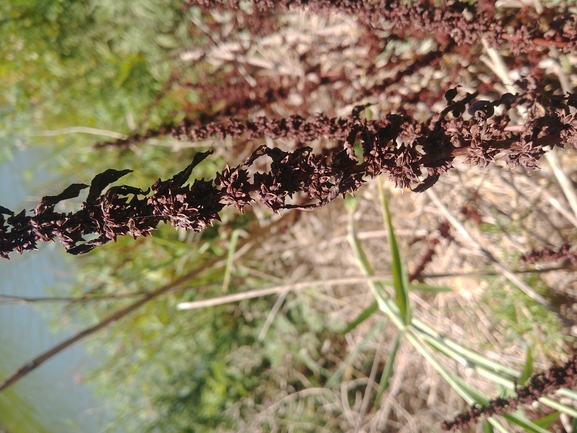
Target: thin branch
x=274 y=290
x=20 y=300
x=118 y=136
x=210 y=264
x=79 y=129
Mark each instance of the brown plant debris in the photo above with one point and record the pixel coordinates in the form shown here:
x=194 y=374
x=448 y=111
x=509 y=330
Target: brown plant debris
x=461 y=22
x=550 y=255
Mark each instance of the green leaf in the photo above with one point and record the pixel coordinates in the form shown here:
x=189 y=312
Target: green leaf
x=400 y=278
x=125 y=70
x=368 y=113
x=365 y=314
x=547 y=420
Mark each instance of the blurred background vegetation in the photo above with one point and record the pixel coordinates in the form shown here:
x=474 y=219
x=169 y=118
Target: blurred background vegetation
x=290 y=361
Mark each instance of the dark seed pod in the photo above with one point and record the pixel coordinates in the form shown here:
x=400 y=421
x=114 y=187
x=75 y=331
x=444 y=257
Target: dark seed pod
x=481 y=109
x=507 y=99
x=451 y=93
x=458 y=109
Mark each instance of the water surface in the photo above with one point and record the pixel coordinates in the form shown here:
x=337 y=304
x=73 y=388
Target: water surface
x=51 y=399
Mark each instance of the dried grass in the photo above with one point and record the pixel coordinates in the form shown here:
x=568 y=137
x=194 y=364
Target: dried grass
x=515 y=215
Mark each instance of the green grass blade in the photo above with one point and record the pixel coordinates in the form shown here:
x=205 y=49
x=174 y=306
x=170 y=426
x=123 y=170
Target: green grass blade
x=429 y=289
x=440 y=347
x=229 y=260
x=388 y=305
x=547 y=420
x=354 y=241
x=483 y=366
x=388 y=371
x=554 y=404
x=487 y=428
x=365 y=314
x=497 y=425
x=467 y=392
x=567 y=393
x=400 y=278
x=520 y=420
x=527 y=368
x=497 y=378
x=384 y=301
x=449 y=346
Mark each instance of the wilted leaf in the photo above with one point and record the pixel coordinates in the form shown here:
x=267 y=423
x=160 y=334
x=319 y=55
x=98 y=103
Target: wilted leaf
x=51 y=200
x=102 y=180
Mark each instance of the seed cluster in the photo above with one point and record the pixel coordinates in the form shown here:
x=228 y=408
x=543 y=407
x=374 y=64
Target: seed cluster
x=550 y=255
x=413 y=155
x=539 y=385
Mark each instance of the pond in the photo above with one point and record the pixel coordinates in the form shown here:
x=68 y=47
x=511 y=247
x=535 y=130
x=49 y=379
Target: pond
x=53 y=398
